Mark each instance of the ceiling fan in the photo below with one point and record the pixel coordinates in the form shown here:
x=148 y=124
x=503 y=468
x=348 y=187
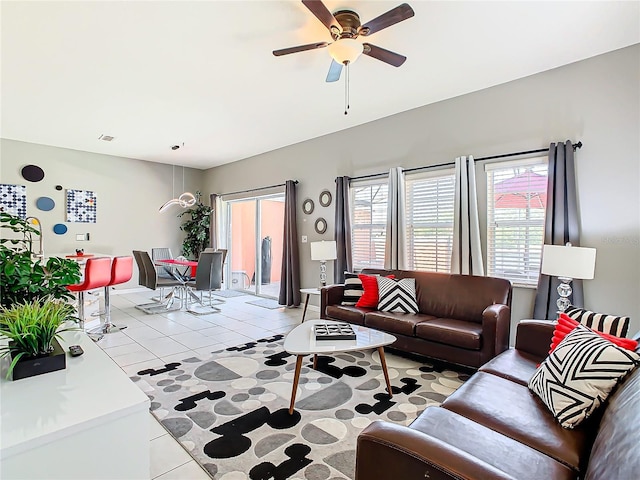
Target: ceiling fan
x=344 y=27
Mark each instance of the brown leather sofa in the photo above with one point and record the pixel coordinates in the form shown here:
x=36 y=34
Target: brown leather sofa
x=493 y=427
x=462 y=319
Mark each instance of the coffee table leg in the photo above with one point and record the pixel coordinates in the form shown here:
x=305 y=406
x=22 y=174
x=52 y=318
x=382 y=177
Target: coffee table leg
x=383 y=361
x=315 y=362
x=306 y=303
x=296 y=378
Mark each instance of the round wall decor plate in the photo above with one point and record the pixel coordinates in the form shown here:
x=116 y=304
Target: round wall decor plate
x=32 y=173
x=325 y=198
x=308 y=206
x=321 y=225
x=45 y=204
x=60 y=229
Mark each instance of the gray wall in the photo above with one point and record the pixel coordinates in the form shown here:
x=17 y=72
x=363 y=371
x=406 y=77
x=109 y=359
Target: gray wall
x=596 y=101
x=129 y=193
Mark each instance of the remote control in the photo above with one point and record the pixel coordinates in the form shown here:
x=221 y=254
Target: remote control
x=75 y=350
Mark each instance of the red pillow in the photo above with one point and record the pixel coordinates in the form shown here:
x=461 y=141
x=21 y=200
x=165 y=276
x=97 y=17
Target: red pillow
x=566 y=324
x=369 y=298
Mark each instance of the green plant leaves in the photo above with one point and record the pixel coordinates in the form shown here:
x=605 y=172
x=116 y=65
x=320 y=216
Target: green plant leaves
x=196 y=228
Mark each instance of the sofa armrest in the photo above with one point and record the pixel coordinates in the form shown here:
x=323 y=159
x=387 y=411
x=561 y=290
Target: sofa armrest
x=496 y=325
x=387 y=450
x=330 y=295
x=534 y=337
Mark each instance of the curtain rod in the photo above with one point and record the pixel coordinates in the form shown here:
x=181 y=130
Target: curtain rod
x=450 y=164
x=255 y=189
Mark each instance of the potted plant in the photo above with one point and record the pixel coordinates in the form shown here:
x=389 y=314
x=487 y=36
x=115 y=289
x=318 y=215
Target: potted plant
x=24 y=278
x=32 y=329
x=196 y=228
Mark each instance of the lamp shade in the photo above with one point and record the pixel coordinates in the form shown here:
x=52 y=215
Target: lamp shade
x=345 y=50
x=323 y=250
x=569 y=262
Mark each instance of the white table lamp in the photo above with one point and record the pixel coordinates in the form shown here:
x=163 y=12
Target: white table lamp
x=567 y=263
x=323 y=251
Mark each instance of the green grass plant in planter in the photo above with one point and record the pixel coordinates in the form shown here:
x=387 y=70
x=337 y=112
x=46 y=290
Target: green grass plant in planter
x=32 y=327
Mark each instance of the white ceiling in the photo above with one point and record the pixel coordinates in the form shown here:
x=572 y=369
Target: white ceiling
x=154 y=74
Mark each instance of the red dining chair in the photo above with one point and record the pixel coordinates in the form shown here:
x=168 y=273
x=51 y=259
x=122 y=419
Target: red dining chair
x=121 y=272
x=97 y=274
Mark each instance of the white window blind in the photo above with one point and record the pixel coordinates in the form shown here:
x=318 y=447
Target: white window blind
x=369 y=224
x=516 y=202
x=429 y=213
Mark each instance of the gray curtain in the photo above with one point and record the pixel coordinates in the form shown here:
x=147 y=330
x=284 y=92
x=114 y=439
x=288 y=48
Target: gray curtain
x=395 y=250
x=342 y=235
x=290 y=277
x=466 y=252
x=561 y=226
x=213 y=227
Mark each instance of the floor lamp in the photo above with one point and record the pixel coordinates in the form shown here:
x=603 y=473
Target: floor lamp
x=566 y=263
x=323 y=251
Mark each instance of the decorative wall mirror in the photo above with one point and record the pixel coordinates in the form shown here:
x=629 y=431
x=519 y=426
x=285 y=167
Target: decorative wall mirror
x=307 y=206
x=321 y=225
x=325 y=198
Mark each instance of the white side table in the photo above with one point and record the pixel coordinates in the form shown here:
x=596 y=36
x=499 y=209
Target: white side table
x=309 y=292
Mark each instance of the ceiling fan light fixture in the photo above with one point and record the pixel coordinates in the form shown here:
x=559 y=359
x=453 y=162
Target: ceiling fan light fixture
x=345 y=50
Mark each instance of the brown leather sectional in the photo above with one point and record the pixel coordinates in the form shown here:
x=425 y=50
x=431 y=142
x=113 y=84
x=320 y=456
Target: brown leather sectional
x=493 y=427
x=462 y=319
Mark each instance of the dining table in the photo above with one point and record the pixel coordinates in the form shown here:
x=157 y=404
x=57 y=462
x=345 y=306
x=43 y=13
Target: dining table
x=172 y=266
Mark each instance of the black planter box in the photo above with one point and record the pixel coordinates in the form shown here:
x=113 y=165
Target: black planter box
x=29 y=367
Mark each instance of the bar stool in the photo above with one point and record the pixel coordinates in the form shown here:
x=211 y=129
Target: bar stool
x=121 y=272
x=97 y=274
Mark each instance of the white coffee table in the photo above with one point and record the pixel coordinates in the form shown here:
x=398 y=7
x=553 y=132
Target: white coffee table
x=301 y=341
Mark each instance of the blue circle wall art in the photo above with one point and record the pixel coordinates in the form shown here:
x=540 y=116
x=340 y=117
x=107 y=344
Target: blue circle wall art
x=45 y=204
x=60 y=229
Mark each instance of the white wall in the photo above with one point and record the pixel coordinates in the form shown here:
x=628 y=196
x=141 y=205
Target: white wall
x=129 y=193
x=596 y=101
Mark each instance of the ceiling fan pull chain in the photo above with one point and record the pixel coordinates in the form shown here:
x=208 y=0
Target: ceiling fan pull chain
x=346 y=88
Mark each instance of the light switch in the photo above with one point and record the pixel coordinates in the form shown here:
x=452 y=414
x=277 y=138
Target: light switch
x=80 y=237
x=304 y=239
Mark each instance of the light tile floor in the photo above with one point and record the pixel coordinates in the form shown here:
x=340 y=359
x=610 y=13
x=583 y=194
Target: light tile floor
x=153 y=340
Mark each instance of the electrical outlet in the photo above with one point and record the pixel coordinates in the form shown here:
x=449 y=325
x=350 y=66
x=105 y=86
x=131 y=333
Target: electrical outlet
x=304 y=239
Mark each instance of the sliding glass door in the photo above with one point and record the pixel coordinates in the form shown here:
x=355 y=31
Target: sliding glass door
x=255 y=229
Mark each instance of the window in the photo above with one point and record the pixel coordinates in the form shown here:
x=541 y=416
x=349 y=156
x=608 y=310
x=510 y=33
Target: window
x=516 y=202
x=429 y=214
x=369 y=224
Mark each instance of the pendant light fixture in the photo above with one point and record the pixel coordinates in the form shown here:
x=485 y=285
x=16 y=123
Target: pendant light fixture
x=345 y=51
x=185 y=200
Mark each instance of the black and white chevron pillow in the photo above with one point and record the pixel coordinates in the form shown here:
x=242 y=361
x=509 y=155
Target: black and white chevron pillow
x=353 y=289
x=617 y=326
x=579 y=375
x=397 y=295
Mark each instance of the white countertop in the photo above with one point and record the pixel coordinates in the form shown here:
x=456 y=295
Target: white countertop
x=302 y=340
x=90 y=391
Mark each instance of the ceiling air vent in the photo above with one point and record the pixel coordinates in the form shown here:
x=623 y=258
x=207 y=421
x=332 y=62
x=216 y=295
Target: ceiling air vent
x=106 y=138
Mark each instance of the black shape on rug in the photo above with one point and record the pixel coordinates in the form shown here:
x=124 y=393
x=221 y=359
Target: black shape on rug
x=273 y=339
x=232 y=441
x=297 y=454
x=188 y=403
x=383 y=403
x=410 y=386
x=167 y=368
x=242 y=348
x=277 y=359
x=324 y=365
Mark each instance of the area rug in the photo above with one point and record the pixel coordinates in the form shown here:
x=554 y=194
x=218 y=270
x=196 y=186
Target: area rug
x=228 y=293
x=230 y=410
x=266 y=303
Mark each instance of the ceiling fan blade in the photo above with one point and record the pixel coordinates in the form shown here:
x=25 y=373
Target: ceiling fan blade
x=299 y=48
x=393 y=16
x=386 y=56
x=334 y=71
x=323 y=14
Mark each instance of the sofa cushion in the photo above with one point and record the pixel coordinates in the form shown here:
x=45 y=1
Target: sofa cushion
x=514 y=458
x=512 y=410
x=618 y=326
x=369 y=298
x=577 y=377
x=353 y=289
x=449 y=331
x=513 y=365
x=346 y=313
x=397 y=295
x=566 y=325
x=402 y=323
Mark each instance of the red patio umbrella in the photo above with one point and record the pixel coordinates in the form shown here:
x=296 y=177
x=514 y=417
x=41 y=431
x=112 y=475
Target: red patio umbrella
x=525 y=189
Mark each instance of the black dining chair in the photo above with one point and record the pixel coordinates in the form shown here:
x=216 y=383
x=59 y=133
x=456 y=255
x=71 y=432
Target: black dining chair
x=208 y=278
x=148 y=277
